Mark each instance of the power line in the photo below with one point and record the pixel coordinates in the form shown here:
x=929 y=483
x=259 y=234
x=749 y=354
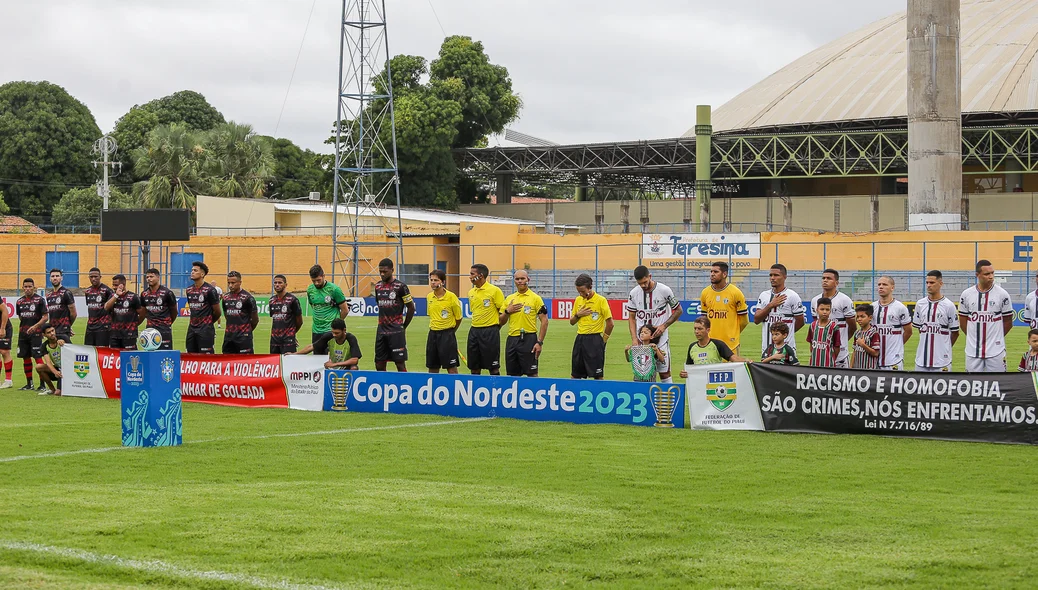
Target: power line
x=294 y=66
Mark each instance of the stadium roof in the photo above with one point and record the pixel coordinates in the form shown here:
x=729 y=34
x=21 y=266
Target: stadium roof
x=862 y=76
x=408 y=213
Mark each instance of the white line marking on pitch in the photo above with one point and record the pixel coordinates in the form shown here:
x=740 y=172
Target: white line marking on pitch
x=254 y=437
x=160 y=567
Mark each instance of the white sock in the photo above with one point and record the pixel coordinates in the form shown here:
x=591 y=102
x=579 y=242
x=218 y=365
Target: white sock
x=668 y=380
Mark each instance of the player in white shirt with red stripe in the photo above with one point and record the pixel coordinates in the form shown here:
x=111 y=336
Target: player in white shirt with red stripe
x=894 y=324
x=935 y=318
x=1031 y=307
x=986 y=315
x=842 y=313
x=779 y=305
x=653 y=304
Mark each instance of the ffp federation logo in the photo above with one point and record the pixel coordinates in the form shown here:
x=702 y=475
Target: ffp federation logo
x=720 y=389
x=81 y=366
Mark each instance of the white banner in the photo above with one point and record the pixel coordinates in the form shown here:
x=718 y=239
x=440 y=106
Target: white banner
x=722 y=397
x=699 y=250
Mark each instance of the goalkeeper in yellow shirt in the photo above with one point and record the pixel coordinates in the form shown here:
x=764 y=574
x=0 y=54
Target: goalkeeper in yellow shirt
x=725 y=305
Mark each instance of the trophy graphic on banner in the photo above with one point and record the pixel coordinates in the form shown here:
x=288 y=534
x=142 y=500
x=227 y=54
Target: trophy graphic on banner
x=664 y=403
x=340 y=386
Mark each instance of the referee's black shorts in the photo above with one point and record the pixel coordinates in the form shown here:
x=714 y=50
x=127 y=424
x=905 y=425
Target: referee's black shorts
x=441 y=349
x=588 y=356
x=484 y=348
x=519 y=356
x=390 y=347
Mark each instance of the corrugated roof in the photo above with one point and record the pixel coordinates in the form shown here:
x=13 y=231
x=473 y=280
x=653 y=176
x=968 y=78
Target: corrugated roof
x=863 y=74
x=411 y=214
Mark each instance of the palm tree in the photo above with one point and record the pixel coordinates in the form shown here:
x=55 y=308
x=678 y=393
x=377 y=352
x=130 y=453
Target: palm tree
x=238 y=163
x=171 y=161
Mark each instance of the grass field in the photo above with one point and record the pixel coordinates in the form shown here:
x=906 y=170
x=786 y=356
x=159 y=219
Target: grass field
x=288 y=499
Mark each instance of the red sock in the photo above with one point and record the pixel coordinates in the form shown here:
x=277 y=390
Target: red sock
x=9 y=370
x=27 y=367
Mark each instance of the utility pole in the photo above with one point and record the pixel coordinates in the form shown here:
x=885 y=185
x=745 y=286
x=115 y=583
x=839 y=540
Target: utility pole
x=106 y=147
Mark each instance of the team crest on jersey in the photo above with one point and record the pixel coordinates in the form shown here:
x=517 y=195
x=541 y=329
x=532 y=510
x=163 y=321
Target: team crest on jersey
x=392 y=294
x=81 y=366
x=327 y=298
x=726 y=302
x=720 y=389
x=237 y=304
x=126 y=304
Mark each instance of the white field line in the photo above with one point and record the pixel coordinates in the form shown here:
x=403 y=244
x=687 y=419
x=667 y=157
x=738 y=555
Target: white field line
x=254 y=437
x=46 y=424
x=159 y=567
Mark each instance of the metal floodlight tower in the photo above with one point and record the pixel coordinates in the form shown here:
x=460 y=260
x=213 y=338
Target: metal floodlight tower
x=366 y=173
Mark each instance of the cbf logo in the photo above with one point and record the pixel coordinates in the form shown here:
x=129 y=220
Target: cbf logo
x=81 y=366
x=135 y=370
x=167 y=368
x=720 y=389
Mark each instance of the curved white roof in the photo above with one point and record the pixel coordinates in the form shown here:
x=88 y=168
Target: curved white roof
x=863 y=74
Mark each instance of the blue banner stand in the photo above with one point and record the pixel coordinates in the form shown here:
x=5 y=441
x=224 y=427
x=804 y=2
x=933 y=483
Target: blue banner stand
x=150 y=396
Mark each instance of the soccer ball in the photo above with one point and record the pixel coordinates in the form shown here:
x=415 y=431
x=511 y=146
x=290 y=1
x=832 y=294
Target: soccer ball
x=150 y=339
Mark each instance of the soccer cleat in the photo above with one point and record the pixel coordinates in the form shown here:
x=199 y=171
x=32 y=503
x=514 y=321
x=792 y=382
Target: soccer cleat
x=27 y=387
x=6 y=384
x=44 y=392
x=43 y=389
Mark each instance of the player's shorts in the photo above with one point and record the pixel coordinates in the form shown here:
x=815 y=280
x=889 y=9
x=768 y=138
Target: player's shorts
x=63 y=335
x=97 y=338
x=237 y=344
x=283 y=346
x=995 y=364
x=30 y=346
x=5 y=342
x=842 y=363
x=519 y=356
x=899 y=366
x=588 y=356
x=944 y=369
x=664 y=365
x=441 y=350
x=167 y=336
x=390 y=347
x=123 y=341
x=484 y=348
x=200 y=339
x=319 y=349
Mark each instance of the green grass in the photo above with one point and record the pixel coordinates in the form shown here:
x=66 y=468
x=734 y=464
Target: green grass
x=502 y=502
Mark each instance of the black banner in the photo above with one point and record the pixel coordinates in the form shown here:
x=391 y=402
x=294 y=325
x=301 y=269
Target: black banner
x=987 y=407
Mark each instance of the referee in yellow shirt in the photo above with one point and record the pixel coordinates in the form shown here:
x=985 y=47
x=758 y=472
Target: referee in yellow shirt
x=594 y=324
x=441 y=347
x=485 y=304
x=725 y=305
x=523 y=309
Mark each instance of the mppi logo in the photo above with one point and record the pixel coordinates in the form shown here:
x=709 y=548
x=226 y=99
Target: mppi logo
x=314 y=376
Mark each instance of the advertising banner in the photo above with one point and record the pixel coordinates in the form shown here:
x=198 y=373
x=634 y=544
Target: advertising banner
x=151 y=408
x=985 y=407
x=522 y=398
x=259 y=381
x=699 y=251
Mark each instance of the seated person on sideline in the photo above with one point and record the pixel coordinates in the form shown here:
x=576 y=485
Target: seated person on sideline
x=342 y=347
x=49 y=367
x=706 y=350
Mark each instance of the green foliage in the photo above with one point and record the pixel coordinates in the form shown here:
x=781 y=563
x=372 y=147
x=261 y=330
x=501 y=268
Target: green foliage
x=187 y=107
x=236 y=162
x=464 y=99
x=82 y=206
x=297 y=172
x=4 y=209
x=45 y=140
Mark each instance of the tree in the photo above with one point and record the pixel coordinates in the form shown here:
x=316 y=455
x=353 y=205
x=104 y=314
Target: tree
x=236 y=161
x=82 y=206
x=45 y=141
x=486 y=97
x=4 y=209
x=172 y=162
x=186 y=106
x=297 y=172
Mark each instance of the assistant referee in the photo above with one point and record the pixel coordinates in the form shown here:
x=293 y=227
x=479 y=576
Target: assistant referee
x=523 y=310
x=441 y=346
x=485 y=304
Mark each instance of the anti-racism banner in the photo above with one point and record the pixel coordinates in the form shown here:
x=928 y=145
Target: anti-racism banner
x=989 y=407
x=523 y=398
x=257 y=381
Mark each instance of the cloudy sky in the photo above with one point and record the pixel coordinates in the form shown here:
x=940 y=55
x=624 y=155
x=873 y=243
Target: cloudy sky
x=587 y=70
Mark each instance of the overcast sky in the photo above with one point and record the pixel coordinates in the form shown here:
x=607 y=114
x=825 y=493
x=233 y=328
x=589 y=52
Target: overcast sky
x=587 y=70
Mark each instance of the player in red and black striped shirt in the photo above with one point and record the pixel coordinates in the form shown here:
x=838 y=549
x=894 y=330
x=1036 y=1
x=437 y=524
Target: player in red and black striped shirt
x=127 y=313
x=242 y=313
x=866 y=340
x=32 y=314
x=99 y=322
x=286 y=316
x=204 y=304
x=824 y=336
x=61 y=306
x=160 y=307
